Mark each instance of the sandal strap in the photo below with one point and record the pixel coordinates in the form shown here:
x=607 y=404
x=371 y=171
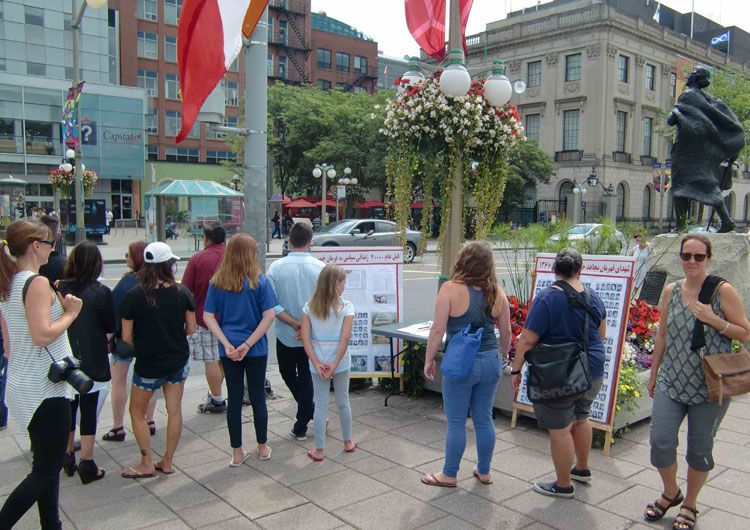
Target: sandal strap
x=657 y=508
x=690 y=508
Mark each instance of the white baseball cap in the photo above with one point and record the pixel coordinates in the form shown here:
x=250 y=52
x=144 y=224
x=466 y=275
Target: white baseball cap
x=158 y=252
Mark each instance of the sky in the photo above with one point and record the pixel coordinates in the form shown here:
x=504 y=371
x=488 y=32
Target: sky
x=385 y=22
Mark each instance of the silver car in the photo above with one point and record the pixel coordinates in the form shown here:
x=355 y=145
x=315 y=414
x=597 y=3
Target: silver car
x=364 y=233
x=593 y=235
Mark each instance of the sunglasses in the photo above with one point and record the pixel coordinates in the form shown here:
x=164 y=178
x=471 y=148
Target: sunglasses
x=50 y=242
x=685 y=256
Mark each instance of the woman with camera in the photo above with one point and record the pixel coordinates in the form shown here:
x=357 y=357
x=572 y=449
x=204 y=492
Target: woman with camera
x=122 y=354
x=157 y=315
x=88 y=337
x=34 y=320
x=552 y=319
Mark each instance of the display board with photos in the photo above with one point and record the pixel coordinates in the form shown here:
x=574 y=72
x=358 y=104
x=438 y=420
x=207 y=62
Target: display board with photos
x=611 y=277
x=374 y=286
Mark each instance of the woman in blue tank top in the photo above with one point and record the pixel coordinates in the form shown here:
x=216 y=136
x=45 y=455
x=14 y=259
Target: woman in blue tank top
x=472 y=296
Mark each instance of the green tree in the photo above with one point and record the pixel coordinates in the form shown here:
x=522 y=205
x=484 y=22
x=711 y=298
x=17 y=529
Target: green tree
x=734 y=89
x=527 y=164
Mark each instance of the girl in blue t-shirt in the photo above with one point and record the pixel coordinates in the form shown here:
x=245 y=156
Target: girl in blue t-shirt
x=238 y=311
x=326 y=327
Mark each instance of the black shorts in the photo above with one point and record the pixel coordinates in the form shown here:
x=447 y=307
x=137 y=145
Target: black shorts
x=560 y=414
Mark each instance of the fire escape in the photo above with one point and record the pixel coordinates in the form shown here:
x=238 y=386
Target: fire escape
x=305 y=49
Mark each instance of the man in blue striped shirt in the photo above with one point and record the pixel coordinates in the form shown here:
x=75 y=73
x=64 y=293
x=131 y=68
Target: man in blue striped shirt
x=293 y=279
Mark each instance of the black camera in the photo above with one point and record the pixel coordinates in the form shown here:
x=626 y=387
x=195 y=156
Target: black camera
x=67 y=370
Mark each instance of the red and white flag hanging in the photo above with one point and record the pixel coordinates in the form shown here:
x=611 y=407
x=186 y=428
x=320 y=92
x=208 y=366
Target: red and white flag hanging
x=426 y=22
x=209 y=39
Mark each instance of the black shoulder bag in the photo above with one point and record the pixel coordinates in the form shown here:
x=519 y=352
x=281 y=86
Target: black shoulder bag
x=561 y=371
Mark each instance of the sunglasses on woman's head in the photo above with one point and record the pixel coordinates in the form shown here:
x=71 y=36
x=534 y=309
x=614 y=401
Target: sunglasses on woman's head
x=685 y=256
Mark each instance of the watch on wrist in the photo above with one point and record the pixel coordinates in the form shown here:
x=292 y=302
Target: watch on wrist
x=515 y=372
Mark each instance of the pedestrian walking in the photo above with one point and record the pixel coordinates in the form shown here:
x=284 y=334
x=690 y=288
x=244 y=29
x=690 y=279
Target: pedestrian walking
x=203 y=344
x=691 y=326
x=123 y=352
x=276 y=220
x=157 y=314
x=288 y=223
x=641 y=252
x=238 y=311
x=37 y=322
x=471 y=297
x=552 y=319
x=89 y=337
x=326 y=327
x=293 y=279
x=110 y=218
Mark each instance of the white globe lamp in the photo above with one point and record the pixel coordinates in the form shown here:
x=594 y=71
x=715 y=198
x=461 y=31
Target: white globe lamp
x=455 y=80
x=331 y=173
x=497 y=88
x=317 y=173
x=70 y=153
x=354 y=181
x=67 y=167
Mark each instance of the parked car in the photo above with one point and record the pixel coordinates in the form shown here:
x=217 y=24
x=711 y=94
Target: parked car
x=590 y=235
x=364 y=233
x=702 y=228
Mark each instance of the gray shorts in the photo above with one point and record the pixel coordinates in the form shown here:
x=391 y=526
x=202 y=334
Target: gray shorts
x=559 y=415
x=703 y=422
x=203 y=346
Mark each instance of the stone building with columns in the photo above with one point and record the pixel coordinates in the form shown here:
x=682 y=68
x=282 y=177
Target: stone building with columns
x=600 y=81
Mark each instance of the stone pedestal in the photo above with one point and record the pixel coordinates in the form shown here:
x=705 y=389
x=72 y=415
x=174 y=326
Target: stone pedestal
x=730 y=260
x=610 y=206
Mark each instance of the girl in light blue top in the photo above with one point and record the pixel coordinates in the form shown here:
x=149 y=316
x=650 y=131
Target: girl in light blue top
x=326 y=328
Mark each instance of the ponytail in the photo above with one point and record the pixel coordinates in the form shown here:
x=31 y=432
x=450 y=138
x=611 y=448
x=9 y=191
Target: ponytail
x=18 y=236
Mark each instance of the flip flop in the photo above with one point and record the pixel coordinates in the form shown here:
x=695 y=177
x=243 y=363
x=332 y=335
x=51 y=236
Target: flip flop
x=436 y=482
x=354 y=448
x=158 y=467
x=267 y=457
x=136 y=474
x=476 y=474
x=313 y=457
x=245 y=456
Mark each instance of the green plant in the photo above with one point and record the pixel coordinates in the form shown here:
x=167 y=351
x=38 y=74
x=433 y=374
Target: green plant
x=412 y=368
x=629 y=388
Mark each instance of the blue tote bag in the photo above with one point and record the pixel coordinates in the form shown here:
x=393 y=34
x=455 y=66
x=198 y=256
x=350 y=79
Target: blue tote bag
x=460 y=353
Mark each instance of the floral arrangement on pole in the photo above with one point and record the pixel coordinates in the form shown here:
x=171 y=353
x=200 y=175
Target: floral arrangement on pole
x=429 y=133
x=64 y=181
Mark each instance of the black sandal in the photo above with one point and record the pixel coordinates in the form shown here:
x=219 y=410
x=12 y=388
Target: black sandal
x=114 y=435
x=660 y=510
x=69 y=464
x=152 y=427
x=684 y=521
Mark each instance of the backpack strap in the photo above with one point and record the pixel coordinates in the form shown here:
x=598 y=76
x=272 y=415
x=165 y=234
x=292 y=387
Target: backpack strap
x=26 y=286
x=580 y=300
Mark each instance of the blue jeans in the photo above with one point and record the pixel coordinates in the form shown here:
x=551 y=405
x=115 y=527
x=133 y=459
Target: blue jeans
x=3 y=377
x=476 y=392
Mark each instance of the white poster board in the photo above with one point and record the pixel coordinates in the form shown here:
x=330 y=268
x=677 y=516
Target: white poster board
x=374 y=285
x=611 y=277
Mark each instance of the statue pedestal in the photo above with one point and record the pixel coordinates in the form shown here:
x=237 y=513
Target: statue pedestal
x=730 y=260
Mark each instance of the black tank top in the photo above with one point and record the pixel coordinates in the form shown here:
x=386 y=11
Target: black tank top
x=478 y=318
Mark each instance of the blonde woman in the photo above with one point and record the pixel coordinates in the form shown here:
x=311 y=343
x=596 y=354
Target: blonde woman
x=326 y=327
x=238 y=311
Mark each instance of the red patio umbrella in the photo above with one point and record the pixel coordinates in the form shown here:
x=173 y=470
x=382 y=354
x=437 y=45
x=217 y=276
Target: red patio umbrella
x=300 y=203
x=369 y=204
x=329 y=202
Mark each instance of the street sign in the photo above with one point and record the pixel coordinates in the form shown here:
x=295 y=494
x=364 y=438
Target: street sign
x=341 y=192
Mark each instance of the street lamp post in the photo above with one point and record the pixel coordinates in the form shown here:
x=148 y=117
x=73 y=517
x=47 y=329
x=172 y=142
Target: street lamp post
x=325 y=171
x=346 y=181
x=578 y=192
x=610 y=199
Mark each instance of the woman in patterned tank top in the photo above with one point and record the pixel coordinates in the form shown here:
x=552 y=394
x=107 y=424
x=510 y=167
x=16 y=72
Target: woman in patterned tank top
x=677 y=383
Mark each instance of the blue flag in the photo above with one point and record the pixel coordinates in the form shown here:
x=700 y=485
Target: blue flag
x=724 y=37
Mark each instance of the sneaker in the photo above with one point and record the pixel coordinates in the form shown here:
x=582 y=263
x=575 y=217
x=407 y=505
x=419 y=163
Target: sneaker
x=551 y=489
x=581 y=475
x=269 y=390
x=299 y=437
x=210 y=406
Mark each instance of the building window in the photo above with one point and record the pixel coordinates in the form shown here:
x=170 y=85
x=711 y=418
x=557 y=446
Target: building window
x=172 y=122
x=623 y=67
x=621 y=201
x=282 y=66
x=534 y=73
x=269 y=65
x=359 y=88
x=342 y=62
x=147 y=45
x=195 y=130
x=621 y=126
x=648 y=127
x=172 y=10
x=571 y=130
x=170 y=49
x=147 y=10
x=533 y=122
x=152 y=152
x=650 y=74
x=214 y=157
x=36 y=69
x=325 y=85
x=672 y=84
x=271 y=34
x=148 y=79
x=231 y=94
x=174 y=154
x=152 y=121
x=324 y=58
x=573 y=67
x=646 y=213
x=282 y=32
x=171 y=86
x=34 y=16
x=360 y=65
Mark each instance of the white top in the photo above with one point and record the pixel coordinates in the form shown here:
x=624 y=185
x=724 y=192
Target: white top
x=641 y=263
x=326 y=335
x=28 y=364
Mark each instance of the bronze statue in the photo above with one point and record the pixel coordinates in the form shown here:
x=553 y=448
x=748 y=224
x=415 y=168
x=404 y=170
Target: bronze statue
x=708 y=134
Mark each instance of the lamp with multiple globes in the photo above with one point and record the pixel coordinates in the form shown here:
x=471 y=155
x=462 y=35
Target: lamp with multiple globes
x=325 y=171
x=593 y=181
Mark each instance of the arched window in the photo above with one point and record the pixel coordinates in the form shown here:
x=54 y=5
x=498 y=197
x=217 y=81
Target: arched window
x=529 y=195
x=620 y=201
x=746 y=211
x=646 y=203
x=565 y=187
x=729 y=201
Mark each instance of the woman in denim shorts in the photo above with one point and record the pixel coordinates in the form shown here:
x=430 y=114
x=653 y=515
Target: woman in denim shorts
x=552 y=320
x=157 y=315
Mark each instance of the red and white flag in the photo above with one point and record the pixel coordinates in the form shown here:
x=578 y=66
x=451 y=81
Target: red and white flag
x=426 y=22
x=209 y=39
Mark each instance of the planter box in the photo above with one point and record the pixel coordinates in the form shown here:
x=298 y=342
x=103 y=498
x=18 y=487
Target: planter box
x=504 y=397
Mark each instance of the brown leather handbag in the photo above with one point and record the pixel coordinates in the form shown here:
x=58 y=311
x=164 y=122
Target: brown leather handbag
x=727 y=374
